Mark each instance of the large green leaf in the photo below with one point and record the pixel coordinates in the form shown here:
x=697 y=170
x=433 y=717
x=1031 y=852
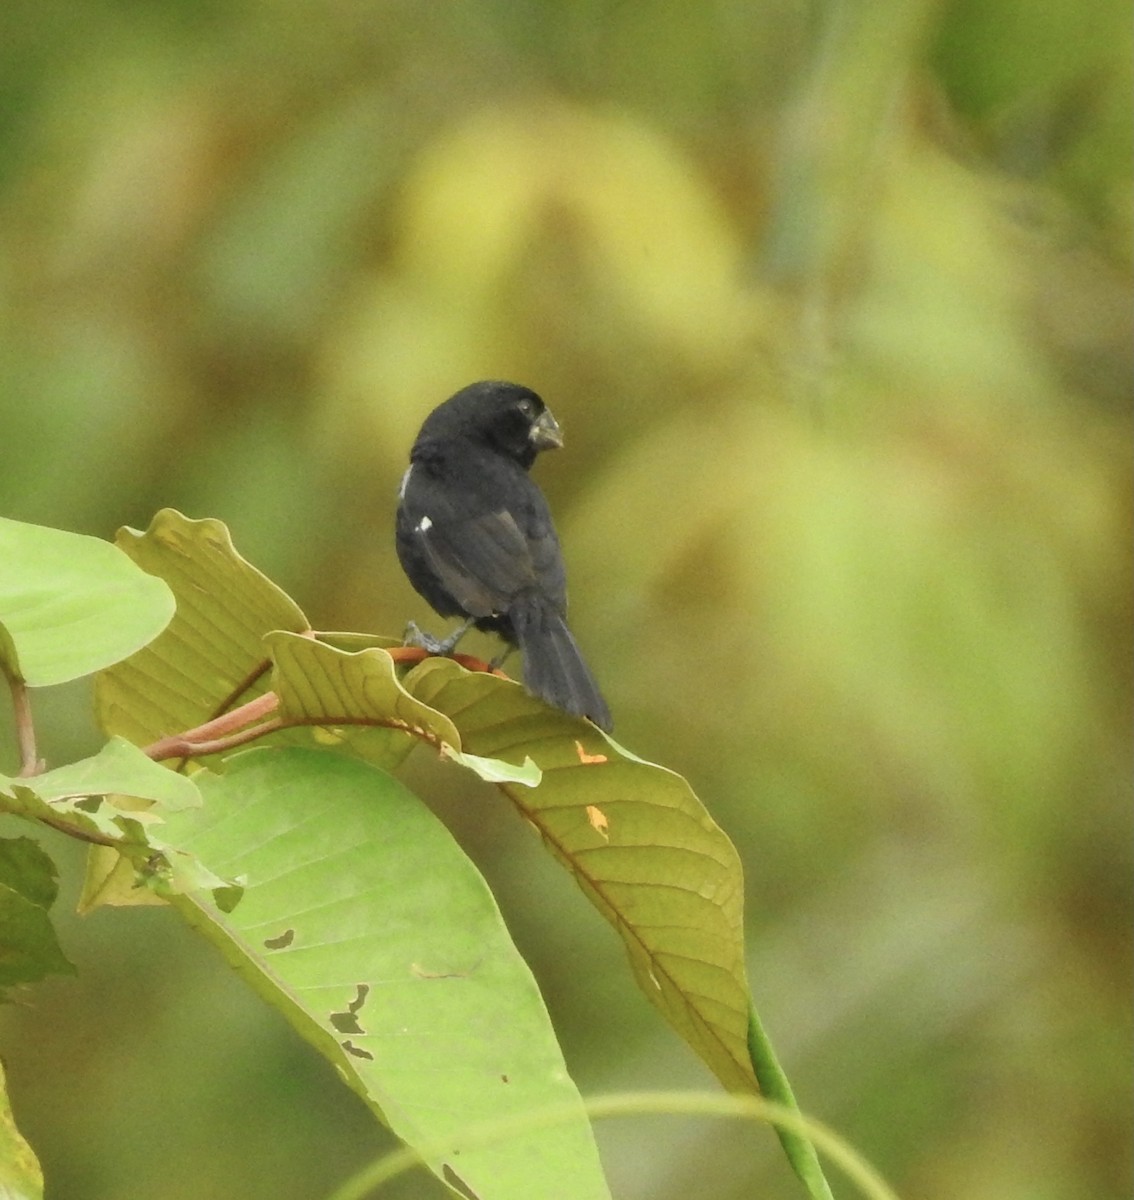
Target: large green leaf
x=639 y=843
x=213 y=648
x=369 y=928
x=71 y=605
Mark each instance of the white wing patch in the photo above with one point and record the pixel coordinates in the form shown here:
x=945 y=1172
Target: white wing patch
x=423 y=526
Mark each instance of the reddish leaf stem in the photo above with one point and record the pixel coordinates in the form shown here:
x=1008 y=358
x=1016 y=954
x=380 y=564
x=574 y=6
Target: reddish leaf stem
x=236 y=727
x=187 y=745
x=416 y=654
x=229 y=729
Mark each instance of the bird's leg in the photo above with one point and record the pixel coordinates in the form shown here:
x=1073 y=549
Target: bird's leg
x=501 y=658
x=431 y=645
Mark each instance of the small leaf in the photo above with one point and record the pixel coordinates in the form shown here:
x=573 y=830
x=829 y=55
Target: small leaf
x=119 y=795
x=119 y=767
x=315 y=680
x=71 y=604
x=496 y=770
x=212 y=650
x=356 y=696
x=28 y=870
x=29 y=949
x=368 y=927
x=358 y=693
x=86 y=793
x=113 y=880
x=85 y=815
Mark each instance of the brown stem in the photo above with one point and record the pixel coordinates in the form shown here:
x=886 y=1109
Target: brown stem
x=30 y=762
x=235 y=727
x=416 y=654
x=83 y=835
x=186 y=745
x=220 y=729
x=235 y=718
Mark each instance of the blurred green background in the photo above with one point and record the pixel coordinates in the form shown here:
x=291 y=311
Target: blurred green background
x=833 y=303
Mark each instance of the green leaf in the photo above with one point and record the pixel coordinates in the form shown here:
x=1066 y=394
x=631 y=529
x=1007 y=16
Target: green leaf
x=71 y=605
x=368 y=927
x=212 y=653
x=352 y=699
x=27 y=869
x=638 y=842
x=20 y=1174
x=29 y=949
x=496 y=770
x=118 y=768
x=85 y=793
x=359 y=704
x=119 y=795
x=113 y=880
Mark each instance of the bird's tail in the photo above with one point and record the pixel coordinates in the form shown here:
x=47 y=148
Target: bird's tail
x=554 y=669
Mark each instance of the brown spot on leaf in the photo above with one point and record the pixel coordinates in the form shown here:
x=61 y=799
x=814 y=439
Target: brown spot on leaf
x=281 y=942
x=596 y=819
x=585 y=758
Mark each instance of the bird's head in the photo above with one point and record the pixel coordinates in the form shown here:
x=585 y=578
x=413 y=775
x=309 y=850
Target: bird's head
x=511 y=419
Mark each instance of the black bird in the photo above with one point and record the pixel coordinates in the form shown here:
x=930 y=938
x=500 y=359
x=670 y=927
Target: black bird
x=475 y=537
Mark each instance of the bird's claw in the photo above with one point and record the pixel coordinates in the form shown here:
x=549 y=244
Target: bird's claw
x=445 y=646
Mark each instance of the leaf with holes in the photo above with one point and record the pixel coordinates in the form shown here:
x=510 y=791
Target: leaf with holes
x=85 y=794
x=639 y=843
x=366 y=925
x=117 y=795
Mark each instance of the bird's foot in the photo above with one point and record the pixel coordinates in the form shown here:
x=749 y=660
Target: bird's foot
x=445 y=646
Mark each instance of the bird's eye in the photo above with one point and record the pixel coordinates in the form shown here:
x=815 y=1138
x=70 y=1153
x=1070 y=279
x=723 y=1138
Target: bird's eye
x=527 y=408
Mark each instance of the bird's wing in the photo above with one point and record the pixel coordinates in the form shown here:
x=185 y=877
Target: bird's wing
x=482 y=561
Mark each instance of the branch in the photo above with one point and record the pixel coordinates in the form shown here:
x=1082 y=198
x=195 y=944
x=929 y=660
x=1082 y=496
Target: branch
x=416 y=654
x=83 y=835
x=235 y=727
x=223 y=732
x=191 y=745
x=30 y=762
